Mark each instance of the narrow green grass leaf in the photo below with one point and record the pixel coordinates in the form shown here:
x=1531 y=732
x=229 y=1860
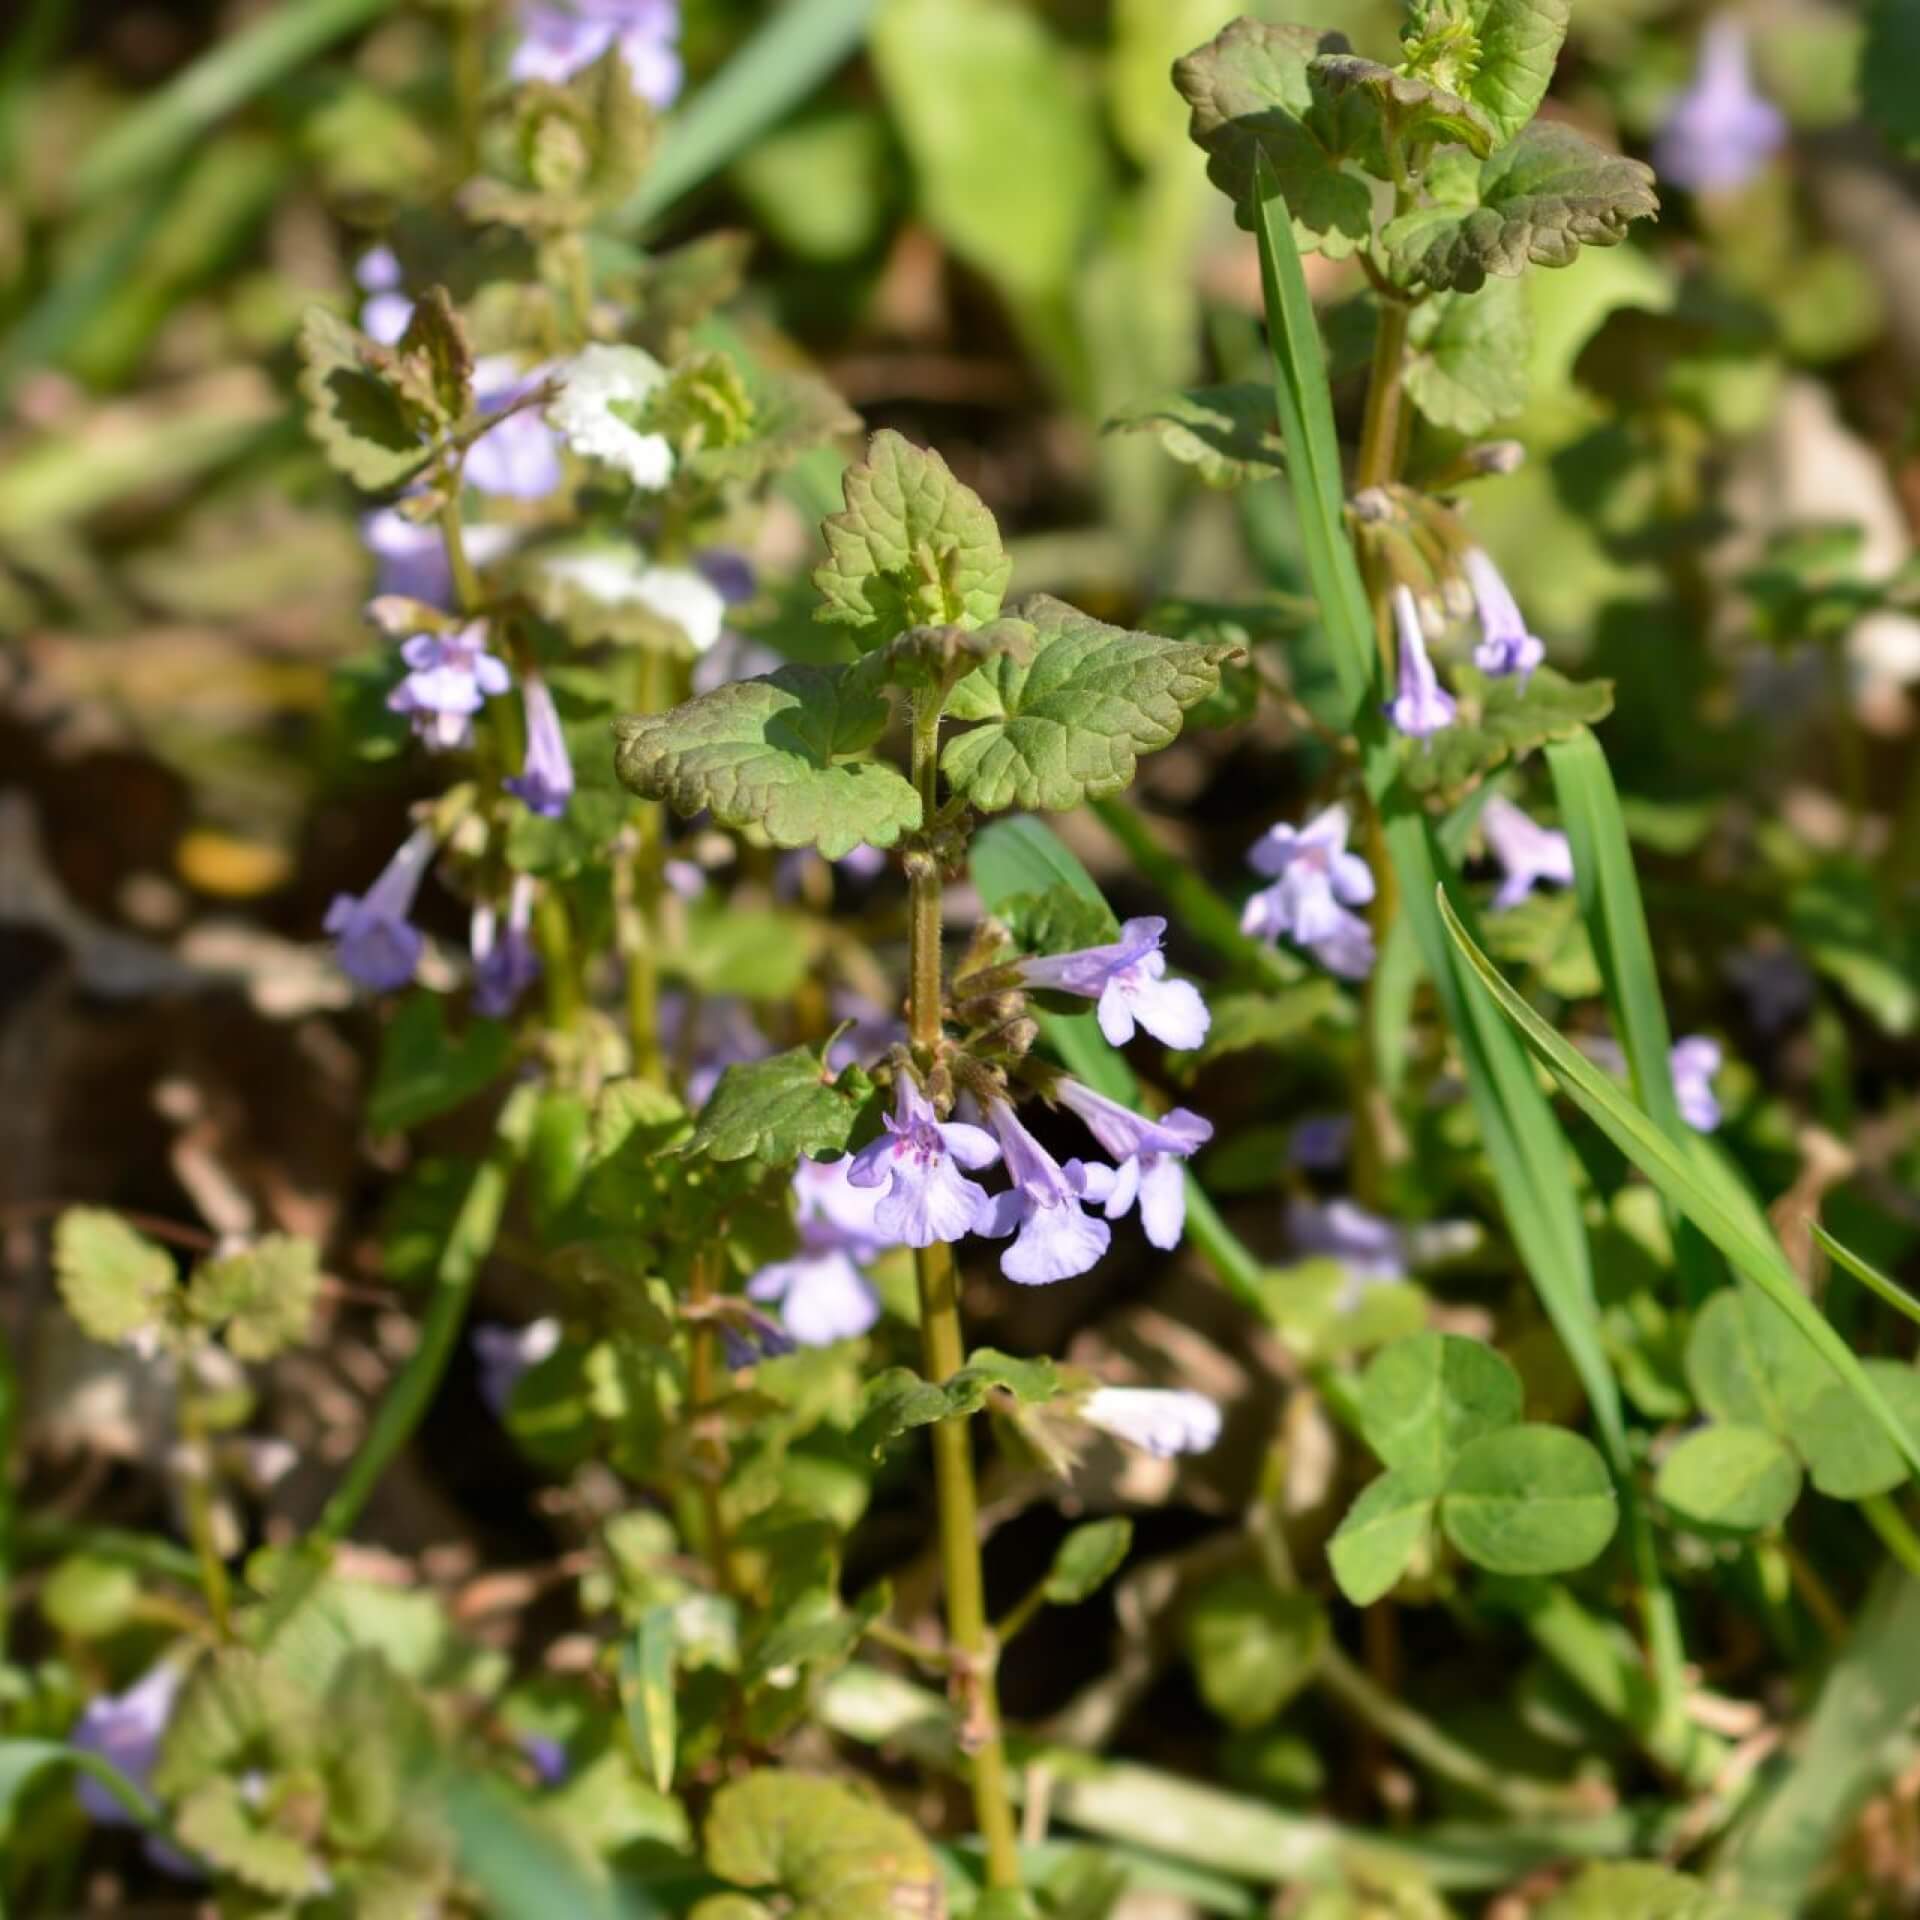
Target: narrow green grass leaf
x=1889 y=1290
x=230 y=73
x=1676 y=1174
x=1528 y=1152
x=800 y=45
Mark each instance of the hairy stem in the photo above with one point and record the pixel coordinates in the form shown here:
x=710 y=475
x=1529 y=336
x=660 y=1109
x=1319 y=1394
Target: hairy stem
x=1379 y=456
x=709 y=1448
x=196 y=1492
x=943 y=1353
x=466 y=583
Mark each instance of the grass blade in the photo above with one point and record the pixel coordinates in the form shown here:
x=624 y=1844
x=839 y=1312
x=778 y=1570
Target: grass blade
x=1610 y=903
x=1676 y=1173
x=801 y=44
x=1870 y=1276
x=1524 y=1144
x=230 y=72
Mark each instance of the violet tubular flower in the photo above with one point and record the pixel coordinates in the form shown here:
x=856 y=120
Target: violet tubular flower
x=505 y=1354
x=1149 y=1157
x=519 y=457
x=126 y=1729
x=1721 y=131
x=545 y=779
x=1127 y=978
x=385 y=311
x=919 y=1158
x=1527 y=852
x=821 y=1292
x=375 y=941
x=1315 y=883
x=505 y=964
x=1505 y=646
x=1693 y=1062
x=559 y=37
x=450 y=677
x=1054 y=1236
x=1162 y=1421
x=1420 y=705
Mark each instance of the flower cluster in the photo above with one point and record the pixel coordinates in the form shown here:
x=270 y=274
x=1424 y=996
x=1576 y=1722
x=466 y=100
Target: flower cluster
x=1421 y=706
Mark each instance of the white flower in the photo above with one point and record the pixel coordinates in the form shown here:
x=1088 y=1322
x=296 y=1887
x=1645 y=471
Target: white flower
x=602 y=390
x=1162 y=1421
x=622 y=577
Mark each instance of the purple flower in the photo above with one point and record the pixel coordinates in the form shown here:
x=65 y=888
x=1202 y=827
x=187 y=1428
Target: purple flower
x=504 y=1354
x=747 y=1341
x=412 y=560
x=1315 y=881
x=1527 y=852
x=545 y=779
x=1056 y=1237
x=832 y=1211
x=1420 y=705
x=124 y=1729
x=1505 y=644
x=823 y=1297
x=518 y=459
x=729 y=572
x=1162 y=1421
x=1720 y=132
x=504 y=962
x=546 y=1755
x=1372 y=1250
x=1149 y=1156
x=449 y=679
x=1128 y=979
x=919 y=1158
x=1321 y=1142
x=724 y=1035
x=1693 y=1062
x=377 y=945
x=386 y=310
x=557 y=40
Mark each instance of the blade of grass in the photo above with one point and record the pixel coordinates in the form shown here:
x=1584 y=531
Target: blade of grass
x=1785 y=1845
x=1889 y=1290
x=228 y=74
x=1525 y=1147
x=1610 y=903
x=800 y=45
x=1676 y=1173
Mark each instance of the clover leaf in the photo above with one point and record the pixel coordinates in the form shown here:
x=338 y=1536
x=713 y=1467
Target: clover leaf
x=1736 y=1479
x=1070 y=723
x=914 y=547
x=775 y=753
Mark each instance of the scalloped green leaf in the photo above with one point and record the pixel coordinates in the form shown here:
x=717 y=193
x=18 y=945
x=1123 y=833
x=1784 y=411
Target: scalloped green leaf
x=1382 y=1531
x=835 y=1853
x=1467 y=367
x=778 y=1109
x=1070 y=723
x=1426 y=1397
x=1227 y=434
x=792 y=413
x=913 y=547
x=1639 y=1890
x=355 y=413
x=265 y=1295
x=1251 y=94
x=1529 y=1499
x=775 y=753
x=1735 y=1479
x=1418 y=109
x=1517 y=46
x=898 y=1399
x=112 y=1279
x=1539 y=201
x=218 y=1824
x=1501 y=719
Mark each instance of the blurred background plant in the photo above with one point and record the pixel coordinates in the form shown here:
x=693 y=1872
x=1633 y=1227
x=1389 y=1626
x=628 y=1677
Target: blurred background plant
x=980 y=222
